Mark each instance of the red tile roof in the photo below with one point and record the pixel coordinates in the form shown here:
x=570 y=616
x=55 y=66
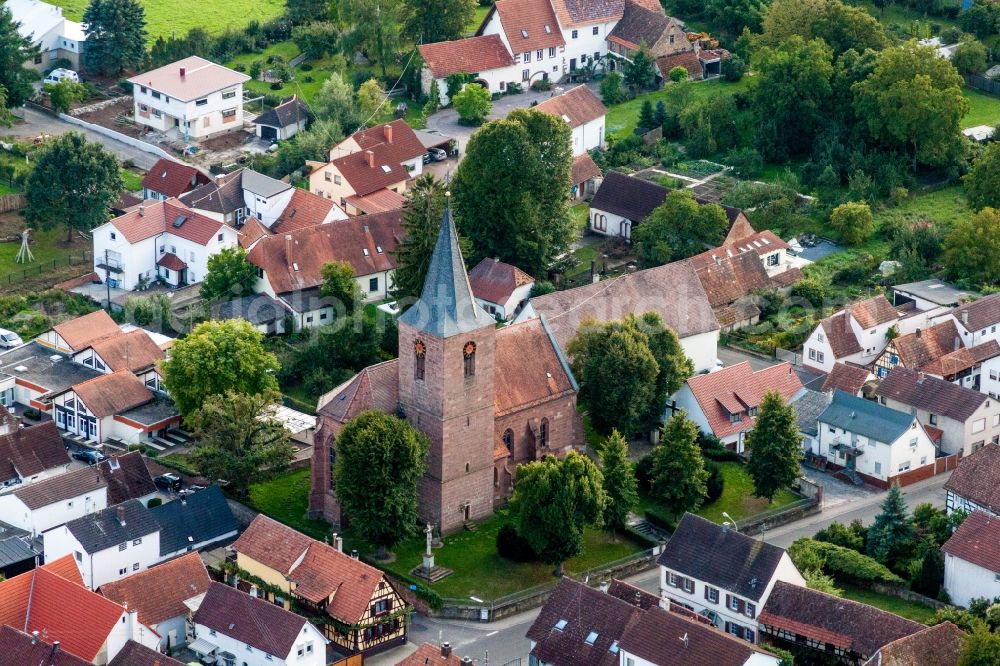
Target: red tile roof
x=964 y=359
x=528 y=368
x=494 y=281
x=940 y=645
x=840 y=335
x=429 y=654
x=727 y=279
x=577 y=106
x=371 y=170
x=375 y=387
x=304 y=210
x=397 y=139
x=924 y=346
x=528 y=24
x=366 y=242
x=471 y=55
x=29 y=451
x=81 y=332
x=874 y=311
x=686 y=59
x=39 y=600
x=977 y=540
x=932 y=394
x=847 y=378
x=172 y=262
x=127 y=477
x=137 y=654
x=159 y=593
x=133 y=351
x=737 y=388
x=172 y=178
x=113 y=393
x=20 y=649
x=762 y=242
x=378 y=201
x=272 y=544
x=977 y=477
x=162 y=216
x=326 y=572
x=979 y=314
x=65 y=567
x=584 y=169
x=573 y=13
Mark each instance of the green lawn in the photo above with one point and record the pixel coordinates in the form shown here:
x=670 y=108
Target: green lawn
x=164 y=19
x=133 y=180
x=911 y=610
x=622 y=118
x=737 y=497
x=45 y=246
x=580 y=213
x=983 y=109
x=481 y=13
x=304 y=84
x=944 y=206
x=286 y=499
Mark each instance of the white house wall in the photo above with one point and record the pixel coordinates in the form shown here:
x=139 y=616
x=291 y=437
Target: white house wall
x=267 y=209
x=880 y=460
x=105 y=565
x=191 y=115
x=126 y=628
x=248 y=656
x=817 y=352
x=45 y=518
x=964 y=581
x=588 y=136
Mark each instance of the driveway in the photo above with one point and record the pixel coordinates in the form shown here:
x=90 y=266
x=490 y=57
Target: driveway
x=446 y=122
x=35 y=122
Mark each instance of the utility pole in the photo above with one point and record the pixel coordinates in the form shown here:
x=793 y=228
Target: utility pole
x=107 y=277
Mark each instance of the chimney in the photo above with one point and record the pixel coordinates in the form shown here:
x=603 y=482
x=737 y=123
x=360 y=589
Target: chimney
x=445 y=650
x=387 y=133
x=370 y=156
x=34 y=637
x=354 y=554
x=957 y=343
x=55 y=647
x=142 y=210
x=466 y=660
x=183 y=72
x=121 y=515
x=339 y=544
x=220 y=179
x=918 y=333
x=920 y=377
x=965 y=316
x=288 y=249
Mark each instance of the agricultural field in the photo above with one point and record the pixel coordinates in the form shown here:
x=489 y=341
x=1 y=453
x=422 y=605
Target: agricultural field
x=164 y=19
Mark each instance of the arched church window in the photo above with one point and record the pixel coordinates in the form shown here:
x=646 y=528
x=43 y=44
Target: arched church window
x=508 y=440
x=543 y=433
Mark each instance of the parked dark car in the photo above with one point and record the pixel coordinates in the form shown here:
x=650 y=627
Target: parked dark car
x=89 y=456
x=168 y=481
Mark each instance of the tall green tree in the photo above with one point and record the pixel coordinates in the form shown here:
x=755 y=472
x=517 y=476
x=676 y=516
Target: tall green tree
x=913 y=102
x=306 y=11
x=841 y=26
x=620 y=484
x=335 y=101
x=375 y=27
x=74 y=183
x=971 y=246
x=775 y=446
x=969 y=57
x=383 y=456
x=891 y=536
x=431 y=21
x=640 y=73
x=731 y=17
x=230 y=275
x=216 y=357
x=679 y=228
x=554 y=501
x=853 y=221
x=674 y=366
x=678 y=479
x=473 y=103
x=510 y=193
x=982 y=183
x=15 y=51
x=980 y=647
x=340 y=285
x=116 y=35
x=371 y=101
x=422 y=215
x=64 y=94
x=239 y=439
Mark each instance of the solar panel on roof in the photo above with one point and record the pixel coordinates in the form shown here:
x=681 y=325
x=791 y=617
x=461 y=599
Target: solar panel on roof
x=179 y=221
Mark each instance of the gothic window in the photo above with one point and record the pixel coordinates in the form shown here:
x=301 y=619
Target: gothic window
x=333 y=463
x=469 y=353
x=543 y=433
x=508 y=440
x=419 y=356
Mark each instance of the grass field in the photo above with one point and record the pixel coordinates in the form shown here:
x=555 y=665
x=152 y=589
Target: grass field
x=621 y=119
x=983 y=109
x=164 y=19
x=286 y=499
x=481 y=13
x=911 y=610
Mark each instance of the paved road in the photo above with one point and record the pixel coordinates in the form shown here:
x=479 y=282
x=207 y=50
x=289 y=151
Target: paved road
x=504 y=640
x=38 y=122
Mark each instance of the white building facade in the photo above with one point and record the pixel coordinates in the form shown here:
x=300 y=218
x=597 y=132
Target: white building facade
x=108 y=564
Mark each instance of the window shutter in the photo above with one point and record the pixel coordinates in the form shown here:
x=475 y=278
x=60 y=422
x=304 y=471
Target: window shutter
x=729 y=601
x=706 y=591
x=742 y=605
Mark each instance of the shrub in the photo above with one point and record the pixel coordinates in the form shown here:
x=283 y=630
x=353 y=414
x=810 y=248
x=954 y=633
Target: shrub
x=542 y=85
x=678 y=74
x=513 y=546
x=277 y=85
x=432 y=598
x=306 y=67
x=154 y=502
x=308 y=79
x=734 y=68
x=840 y=562
x=810 y=290
x=841 y=535
x=715 y=483
x=32 y=414
x=541 y=288
x=853 y=221
x=239 y=67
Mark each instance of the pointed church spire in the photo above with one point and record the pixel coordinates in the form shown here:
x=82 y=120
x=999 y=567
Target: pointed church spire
x=446 y=306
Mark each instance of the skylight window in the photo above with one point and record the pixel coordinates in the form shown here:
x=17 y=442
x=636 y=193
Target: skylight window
x=295 y=266
x=378 y=248
x=524 y=33
x=179 y=221
x=591 y=638
x=365 y=250
x=561 y=624
x=386 y=168
x=548 y=30
x=614 y=648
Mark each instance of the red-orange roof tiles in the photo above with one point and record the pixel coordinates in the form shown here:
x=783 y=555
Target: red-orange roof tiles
x=577 y=106
x=164 y=216
x=529 y=24
x=494 y=281
x=113 y=393
x=272 y=544
x=133 y=351
x=473 y=55
x=158 y=594
x=80 y=332
x=735 y=389
x=528 y=367
x=173 y=179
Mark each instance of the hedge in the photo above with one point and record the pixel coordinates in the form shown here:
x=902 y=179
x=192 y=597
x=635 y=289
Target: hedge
x=839 y=562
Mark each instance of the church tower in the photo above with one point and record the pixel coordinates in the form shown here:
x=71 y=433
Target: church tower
x=447 y=346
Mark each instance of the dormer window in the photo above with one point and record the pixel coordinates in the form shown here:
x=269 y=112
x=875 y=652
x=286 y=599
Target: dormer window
x=736 y=418
x=753 y=412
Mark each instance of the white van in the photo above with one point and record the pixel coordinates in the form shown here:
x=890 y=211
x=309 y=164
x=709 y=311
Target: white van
x=9 y=339
x=57 y=75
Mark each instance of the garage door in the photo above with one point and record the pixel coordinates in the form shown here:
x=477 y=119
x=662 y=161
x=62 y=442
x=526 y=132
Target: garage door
x=268 y=133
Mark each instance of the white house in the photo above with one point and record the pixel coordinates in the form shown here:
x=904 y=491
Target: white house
x=732 y=586
x=55 y=36
x=530 y=32
x=975 y=483
x=194 y=97
x=283 y=121
x=977 y=321
x=878 y=443
x=585 y=114
x=500 y=288
x=724 y=403
x=972 y=559
x=228 y=625
x=43 y=505
x=165 y=240
x=108 y=545
x=485 y=57
x=29 y=455
x=932 y=296
x=856 y=334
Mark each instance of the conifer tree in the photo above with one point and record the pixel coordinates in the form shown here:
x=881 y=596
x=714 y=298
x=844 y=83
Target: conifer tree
x=620 y=484
x=775 y=446
x=679 y=477
x=891 y=535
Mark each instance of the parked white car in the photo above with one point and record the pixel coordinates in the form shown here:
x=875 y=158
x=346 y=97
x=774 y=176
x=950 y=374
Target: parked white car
x=60 y=74
x=10 y=339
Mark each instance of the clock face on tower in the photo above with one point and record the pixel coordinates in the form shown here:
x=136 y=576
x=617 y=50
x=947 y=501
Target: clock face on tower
x=419 y=348
x=469 y=349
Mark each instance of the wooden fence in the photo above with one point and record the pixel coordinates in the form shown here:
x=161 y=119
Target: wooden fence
x=39 y=267
x=9 y=202
x=988 y=86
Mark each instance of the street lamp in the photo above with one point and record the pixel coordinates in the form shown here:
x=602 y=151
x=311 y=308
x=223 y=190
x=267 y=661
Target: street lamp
x=729 y=522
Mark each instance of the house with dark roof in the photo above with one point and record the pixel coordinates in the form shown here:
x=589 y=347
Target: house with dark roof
x=920 y=349
x=972 y=559
x=663 y=36
x=48 y=503
x=367 y=172
x=500 y=288
x=732 y=282
x=31 y=454
x=847 y=378
x=798 y=617
x=137 y=654
x=194 y=522
x=808 y=405
x=260 y=310
x=229 y=623
x=163 y=595
x=978 y=321
x=958 y=419
x=878 y=444
x=940 y=645
x=512 y=384
x=128 y=478
x=169 y=178
x=362 y=606
x=18 y=648
x=17 y=553
x=52 y=603
x=857 y=334
x=724 y=403
x=933 y=295
x=975 y=483
x=722 y=574
x=108 y=544
x=283 y=121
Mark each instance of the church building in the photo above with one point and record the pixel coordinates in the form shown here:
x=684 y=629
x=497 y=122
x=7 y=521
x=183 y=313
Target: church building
x=488 y=398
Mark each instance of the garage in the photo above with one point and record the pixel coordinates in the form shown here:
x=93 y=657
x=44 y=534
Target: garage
x=268 y=133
